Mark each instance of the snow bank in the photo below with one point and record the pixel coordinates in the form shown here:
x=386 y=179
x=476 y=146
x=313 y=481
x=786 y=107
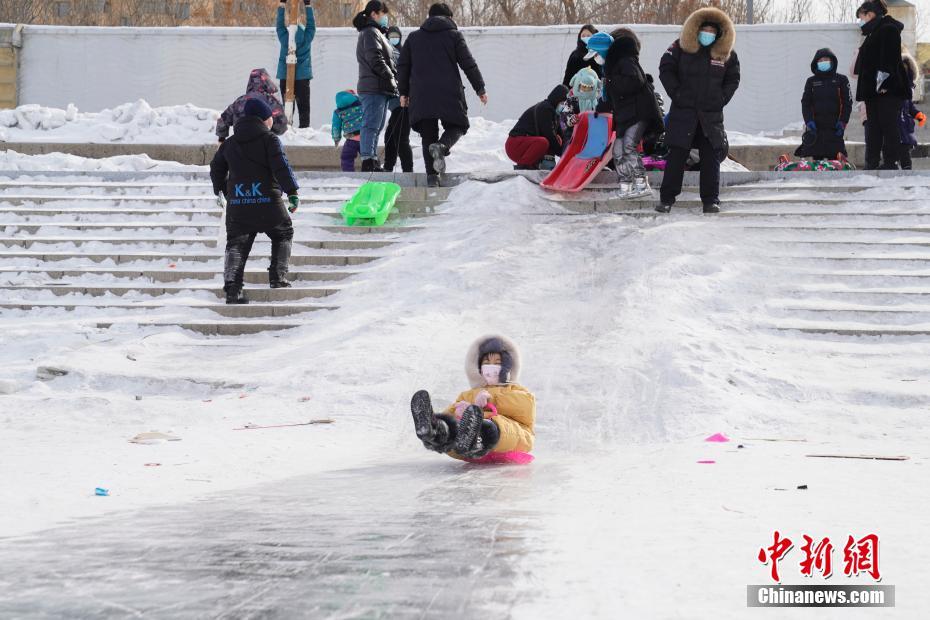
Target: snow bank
x=11 y=160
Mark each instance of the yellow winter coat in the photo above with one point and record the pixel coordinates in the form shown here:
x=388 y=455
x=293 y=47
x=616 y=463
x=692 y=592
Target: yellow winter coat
x=516 y=415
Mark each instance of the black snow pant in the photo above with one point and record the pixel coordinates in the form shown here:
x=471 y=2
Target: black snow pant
x=302 y=95
x=239 y=241
x=428 y=129
x=883 y=133
x=675 y=171
x=906 y=162
x=397 y=141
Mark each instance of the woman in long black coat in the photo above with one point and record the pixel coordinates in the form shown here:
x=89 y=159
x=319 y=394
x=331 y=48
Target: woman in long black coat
x=883 y=84
x=826 y=106
x=576 y=61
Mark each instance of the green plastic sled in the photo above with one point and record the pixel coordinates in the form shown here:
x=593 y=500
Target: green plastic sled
x=371 y=205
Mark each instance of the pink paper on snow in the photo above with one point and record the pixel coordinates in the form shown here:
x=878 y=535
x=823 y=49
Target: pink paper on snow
x=718 y=437
x=511 y=458
x=707 y=462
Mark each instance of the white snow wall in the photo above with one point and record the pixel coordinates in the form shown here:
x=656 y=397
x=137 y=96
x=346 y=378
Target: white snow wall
x=97 y=68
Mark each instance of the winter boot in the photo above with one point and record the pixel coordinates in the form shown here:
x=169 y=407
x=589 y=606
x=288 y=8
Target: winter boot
x=468 y=434
x=371 y=165
x=712 y=207
x=235 y=296
x=436 y=432
x=432 y=180
x=280 y=284
x=438 y=152
x=640 y=188
x=664 y=207
x=625 y=191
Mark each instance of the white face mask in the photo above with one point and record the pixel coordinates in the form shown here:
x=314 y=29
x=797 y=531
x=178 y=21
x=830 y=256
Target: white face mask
x=491 y=373
x=394 y=41
x=585 y=39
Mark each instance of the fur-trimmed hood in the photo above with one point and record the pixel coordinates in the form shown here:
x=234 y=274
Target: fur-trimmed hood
x=724 y=44
x=913 y=70
x=492 y=343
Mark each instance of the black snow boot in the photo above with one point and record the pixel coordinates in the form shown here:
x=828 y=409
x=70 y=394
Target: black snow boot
x=371 y=165
x=475 y=436
x=712 y=207
x=438 y=152
x=432 y=180
x=664 y=207
x=280 y=284
x=436 y=432
x=235 y=296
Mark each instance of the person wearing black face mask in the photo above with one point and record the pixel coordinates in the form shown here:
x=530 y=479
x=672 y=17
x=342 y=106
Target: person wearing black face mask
x=397 y=134
x=883 y=84
x=576 y=61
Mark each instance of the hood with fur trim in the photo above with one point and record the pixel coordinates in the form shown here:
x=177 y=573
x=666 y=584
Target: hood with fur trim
x=913 y=70
x=492 y=343
x=724 y=44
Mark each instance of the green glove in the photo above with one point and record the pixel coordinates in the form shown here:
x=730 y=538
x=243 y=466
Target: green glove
x=294 y=199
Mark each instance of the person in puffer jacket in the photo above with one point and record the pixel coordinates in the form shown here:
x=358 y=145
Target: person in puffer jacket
x=261 y=87
x=826 y=106
x=497 y=415
x=536 y=135
x=911 y=117
x=347 y=121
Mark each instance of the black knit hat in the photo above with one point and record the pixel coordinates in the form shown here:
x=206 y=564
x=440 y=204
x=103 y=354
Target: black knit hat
x=874 y=6
x=440 y=9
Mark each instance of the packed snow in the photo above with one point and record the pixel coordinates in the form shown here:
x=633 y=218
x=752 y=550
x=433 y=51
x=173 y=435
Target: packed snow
x=641 y=337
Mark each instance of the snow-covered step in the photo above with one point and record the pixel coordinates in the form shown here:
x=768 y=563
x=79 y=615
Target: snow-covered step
x=61 y=211
x=847 y=328
x=222 y=309
x=261 y=294
x=839 y=225
x=331 y=244
x=215 y=328
x=179 y=258
x=252 y=275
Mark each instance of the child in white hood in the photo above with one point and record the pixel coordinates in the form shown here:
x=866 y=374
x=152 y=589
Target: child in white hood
x=493 y=419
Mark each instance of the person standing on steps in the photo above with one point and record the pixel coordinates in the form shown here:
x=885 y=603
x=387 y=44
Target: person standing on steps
x=304 y=70
x=261 y=87
x=883 y=84
x=431 y=86
x=576 y=60
x=700 y=73
x=826 y=106
x=397 y=135
x=250 y=174
x=636 y=112
x=377 y=78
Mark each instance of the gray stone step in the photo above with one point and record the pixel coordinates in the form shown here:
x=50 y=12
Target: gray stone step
x=917 y=228
x=165 y=257
x=233 y=311
x=217 y=328
x=335 y=244
x=74 y=211
x=265 y=295
x=604 y=205
x=252 y=276
x=834 y=329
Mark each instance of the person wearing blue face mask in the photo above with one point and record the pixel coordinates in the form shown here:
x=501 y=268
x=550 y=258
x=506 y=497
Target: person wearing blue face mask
x=700 y=72
x=377 y=78
x=883 y=84
x=826 y=106
x=576 y=61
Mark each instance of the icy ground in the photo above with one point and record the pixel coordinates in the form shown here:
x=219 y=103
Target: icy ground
x=482 y=148
x=641 y=337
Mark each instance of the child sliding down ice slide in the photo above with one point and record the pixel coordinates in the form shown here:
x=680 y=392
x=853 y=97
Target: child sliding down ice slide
x=490 y=423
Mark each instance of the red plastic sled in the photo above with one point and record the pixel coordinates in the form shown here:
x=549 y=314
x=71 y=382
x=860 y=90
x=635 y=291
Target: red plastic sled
x=587 y=154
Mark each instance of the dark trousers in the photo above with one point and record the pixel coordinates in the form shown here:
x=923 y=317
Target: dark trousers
x=429 y=134
x=239 y=244
x=906 y=162
x=350 y=149
x=883 y=133
x=397 y=141
x=302 y=95
x=675 y=170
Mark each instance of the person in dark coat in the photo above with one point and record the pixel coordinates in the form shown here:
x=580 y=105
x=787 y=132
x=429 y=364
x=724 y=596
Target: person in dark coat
x=576 y=60
x=883 y=84
x=635 y=109
x=262 y=87
x=397 y=135
x=377 y=78
x=303 y=72
x=911 y=117
x=536 y=134
x=700 y=73
x=430 y=84
x=826 y=106
x=250 y=175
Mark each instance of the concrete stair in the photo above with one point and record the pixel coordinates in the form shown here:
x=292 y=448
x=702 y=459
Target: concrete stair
x=146 y=249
